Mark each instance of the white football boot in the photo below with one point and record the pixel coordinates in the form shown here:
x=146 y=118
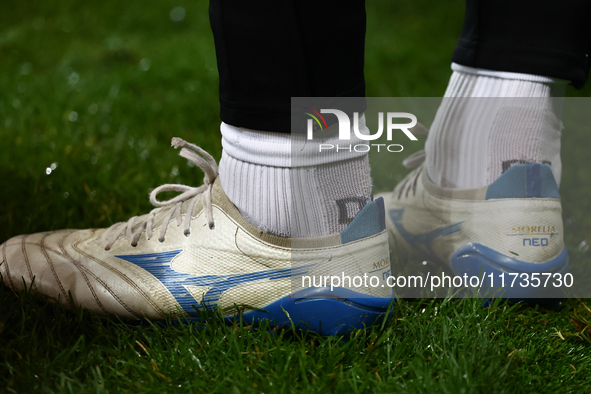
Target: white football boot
x=197 y=250
x=512 y=227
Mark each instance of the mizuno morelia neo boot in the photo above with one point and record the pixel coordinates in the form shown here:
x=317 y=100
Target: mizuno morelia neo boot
x=197 y=251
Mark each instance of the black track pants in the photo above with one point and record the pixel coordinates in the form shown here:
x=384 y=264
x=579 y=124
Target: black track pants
x=271 y=50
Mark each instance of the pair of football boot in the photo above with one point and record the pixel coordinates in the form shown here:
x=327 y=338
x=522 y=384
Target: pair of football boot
x=197 y=251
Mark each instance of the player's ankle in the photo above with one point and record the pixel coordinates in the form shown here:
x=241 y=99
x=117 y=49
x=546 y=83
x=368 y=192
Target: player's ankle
x=282 y=198
x=491 y=120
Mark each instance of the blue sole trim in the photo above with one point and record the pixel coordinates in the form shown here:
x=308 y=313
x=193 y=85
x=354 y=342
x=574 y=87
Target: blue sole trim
x=319 y=309
x=478 y=260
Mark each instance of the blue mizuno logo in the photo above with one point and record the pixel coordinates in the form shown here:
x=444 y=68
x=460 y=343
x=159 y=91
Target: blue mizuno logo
x=422 y=242
x=158 y=264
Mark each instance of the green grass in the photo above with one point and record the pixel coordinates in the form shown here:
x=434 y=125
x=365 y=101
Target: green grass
x=86 y=57
x=447 y=346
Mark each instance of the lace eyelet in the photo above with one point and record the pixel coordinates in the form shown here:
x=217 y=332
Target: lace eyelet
x=107 y=248
x=161 y=240
x=134 y=244
x=187 y=233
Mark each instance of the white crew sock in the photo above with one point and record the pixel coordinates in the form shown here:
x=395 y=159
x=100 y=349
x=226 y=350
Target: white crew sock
x=490 y=120
x=310 y=201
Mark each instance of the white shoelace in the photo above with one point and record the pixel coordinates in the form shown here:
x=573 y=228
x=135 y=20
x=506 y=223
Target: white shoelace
x=201 y=159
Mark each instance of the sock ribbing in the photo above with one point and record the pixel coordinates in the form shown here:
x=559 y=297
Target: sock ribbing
x=285 y=200
x=490 y=120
